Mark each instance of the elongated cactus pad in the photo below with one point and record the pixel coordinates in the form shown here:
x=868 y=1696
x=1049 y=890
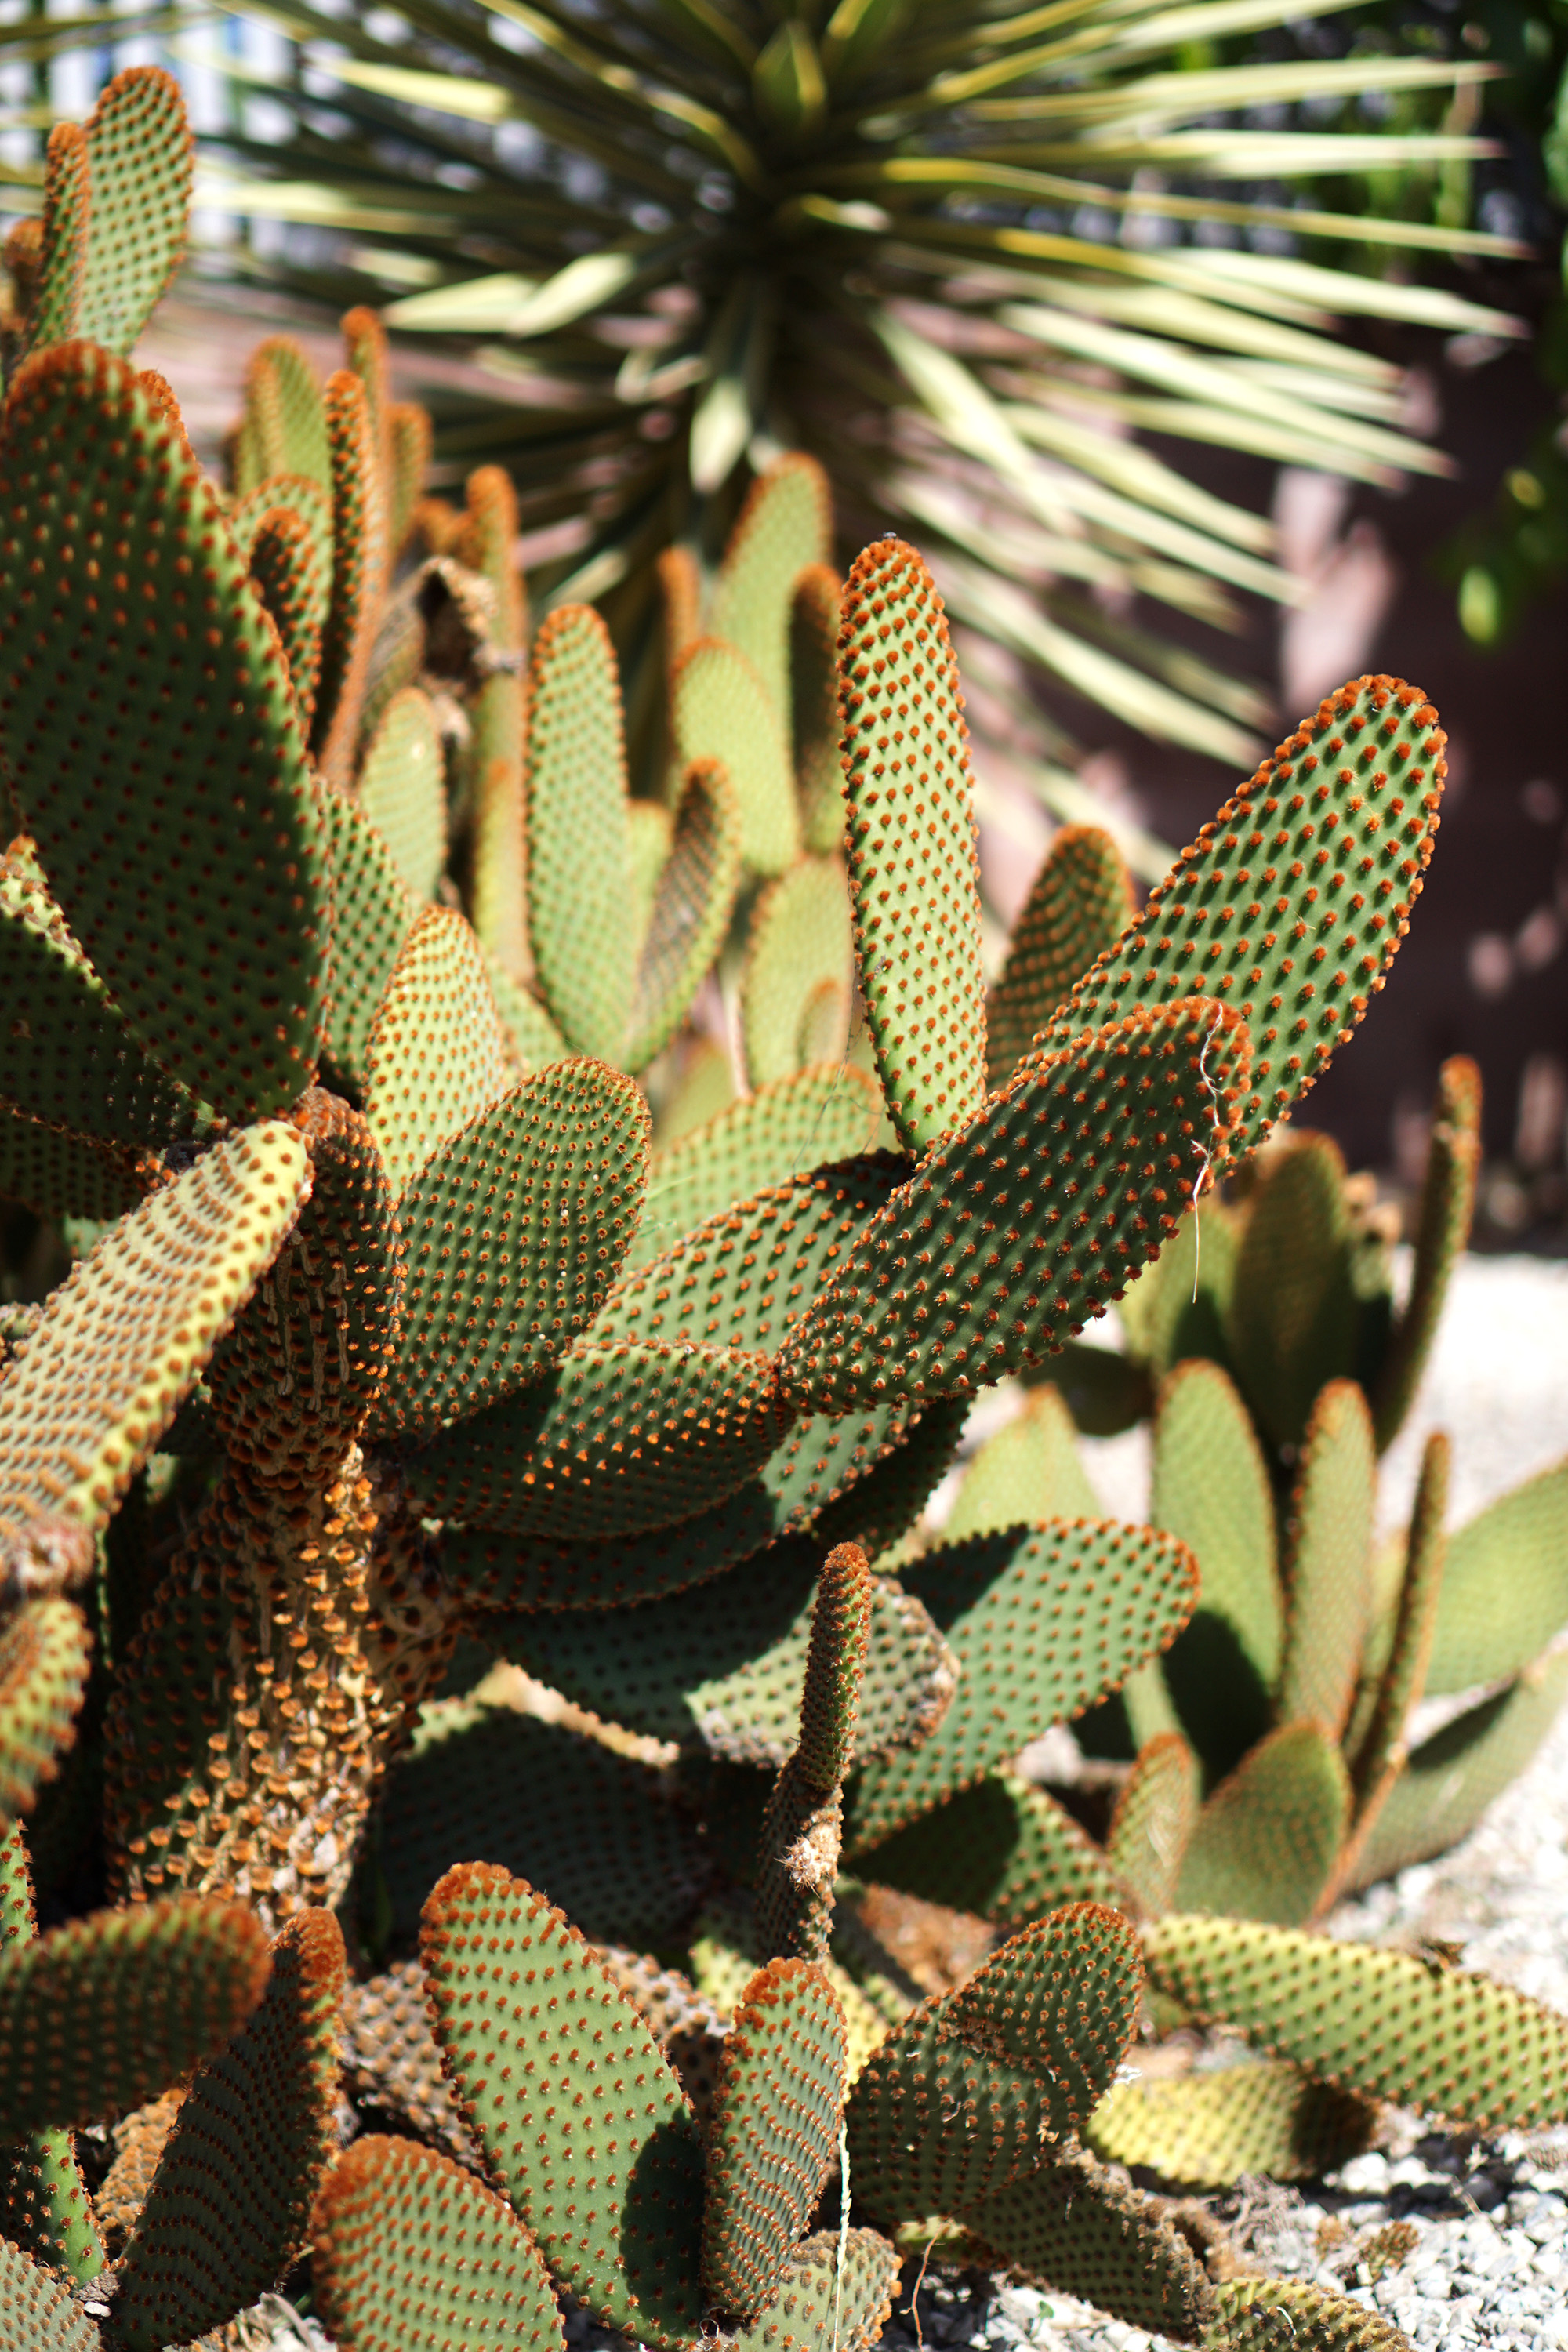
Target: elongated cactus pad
x=611 y=1441
x=295 y=590
x=373 y=915
x=819 y=1116
x=693 y=901
x=821 y=2299
x=231 y=2196
x=720 y=711
x=1505 y=1586
x=57 y=1173
x=941 y=1296
x=1153 y=1820
x=799 y=938
x=402 y=789
x=513 y=1232
x=1379 y=1749
x=45 y=2208
x=37 y=2310
x=1379 y=2022
x=914 y=872
x=582 y=2122
x=122 y=1340
x=785 y=524
x=1029 y=1469
x=584 y=950
x=437 y=1054
x=721 y=1668
x=594 y=1832
x=1328 y=1539
x=44 y=1653
x=1253 y=2314
x=813 y=687
x=1325 y=847
x=773 y=2132
x=797 y=1852
x=1003 y=1849
x=407 y=2248
x=1075 y=2227
x=359 y=568
x=1043 y=1621
x=1081 y=900
x=1060 y=1999
x=285 y=430
x=1266 y=1842
x=1443 y=1225
x=56 y=305
x=1210 y=1488
x=97 y=2017
x=139 y=159
x=1294 y=1316
x=238 y=1014
x=1208 y=2129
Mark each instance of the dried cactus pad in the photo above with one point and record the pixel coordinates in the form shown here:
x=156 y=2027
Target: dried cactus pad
x=914 y=872
x=181 y=783
x=37 y=2309
x=984 y=1261
x=512 y=1235
x=410 y=2249
x=821 y=2302
x=122 y=1341
x=1209 y=2129
x=1076 y=2227
x=231 y=2196
x=98 y=2017
x=1290 y=905
x=773 y=2132
x=582 y=2121
x=1383 y=2023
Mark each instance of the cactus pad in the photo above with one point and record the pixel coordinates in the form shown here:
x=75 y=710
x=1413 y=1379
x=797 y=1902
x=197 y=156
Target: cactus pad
x=1324 y=847
x=799 y=938
x=914 y=872
x=721 y=711
x=1003 y=1849
x=820 y=2301
x=1294 y=1314
x=773 y=2131
x=1043 y=1621
x=409 y=2249
x=229 y=2204
x=1505 y=1586
x=295 y=589
x=437 y=1054
x=1153 y=1824
x=285 y=429
x=1060 y=1999
x=371 y=916
x=1074 y=2227
x=122 y=1340
x=1029 y=1469
x=37 y=2310
x=402 y=789
x=1442 y=1229
x=813 y=684
x=44 y=1653
x=582 y=2122
x=390 y=2061
x=1379 y=1748
x=693 y=901
x=1328 y=1541
x=1265 y=1842
x=56 y=1174
x=239 y=1017
x=960 y=1280
x=1253 y=2314
x=1208 y=2130
x=45 y=2208
x=359 y=566
x=513 y=1232
x=1381 y=2023
x=579 y=864
x=62 y=250
x=785 y=524
x=1080 y=902
x=139 y=156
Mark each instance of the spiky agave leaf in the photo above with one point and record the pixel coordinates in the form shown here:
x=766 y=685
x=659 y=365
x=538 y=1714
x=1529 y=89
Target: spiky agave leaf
x=854 y=174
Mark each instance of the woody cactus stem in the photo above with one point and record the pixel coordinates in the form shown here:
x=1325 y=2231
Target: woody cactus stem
x=803 y=1827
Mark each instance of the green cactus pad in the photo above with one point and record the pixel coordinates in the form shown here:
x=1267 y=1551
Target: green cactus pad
x=291 y=1384
x=231 y=2196
x=1452 y=1779
x=582 y=2122
x=800 y=939
x=1350 y=799
x=719 y=1670
x=410 y=437
x=402 y=791
x=390 y=2061
x=46 y=1650
x=1208 y=2130
x=914 y=872
x=37 y=2309
x=888 y=1322
x=1059 y=1999
x=594 y=1830
x=785 y=524
x=373 y=915
x=1178 y=1306
x=1254 y=2314
x=1003 y=1849
x=720 y=711
x=1043 y=1621
x=513 y=1234
x=821 y=2299
x=1076 y=2228
x=139 y=159
x=1381 y=2023
x=611 y=1441
x=773 y=2132
x=1442 y=1230
x=1294 y=1312
x=1328 y=1541
x=1029 y=1469
x=816 y=1117
x=407 y=2248
x=1081 y=900
x=238 y=1014
x=98 y=2016
x=123 y=1340
x=57 y=1173
x=579 y=871
x=67 y=198
x=359 y=568
x=70 y=1057
x=366 y=351
x=301 y=495
x=693 y=901
x=44 y=2207
x=1265 y=1844
x=295 y=589
x=1211 y=1487
x=1505 y=1587
x=1153 y=1824
x=813 y=684
x=1378 y=1752
x=286 y=417
x=437 y=1054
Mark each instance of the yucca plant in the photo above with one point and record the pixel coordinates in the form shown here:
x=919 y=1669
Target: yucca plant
x=385 y=1327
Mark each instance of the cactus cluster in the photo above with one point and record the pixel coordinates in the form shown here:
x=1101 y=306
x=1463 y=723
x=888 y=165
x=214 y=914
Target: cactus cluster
x=440 y=1304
